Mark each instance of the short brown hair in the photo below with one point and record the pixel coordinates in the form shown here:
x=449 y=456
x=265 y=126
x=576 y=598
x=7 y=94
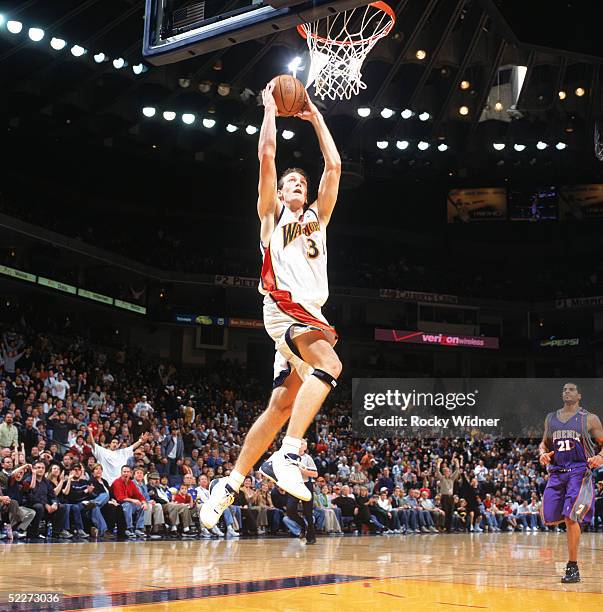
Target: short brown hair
x=281 y=179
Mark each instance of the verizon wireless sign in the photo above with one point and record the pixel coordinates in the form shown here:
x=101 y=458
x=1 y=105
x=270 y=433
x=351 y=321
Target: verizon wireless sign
x=419 y=337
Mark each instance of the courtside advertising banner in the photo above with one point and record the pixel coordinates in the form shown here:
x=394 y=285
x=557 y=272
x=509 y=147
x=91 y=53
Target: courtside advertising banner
x=456 y=407
x=581 y=201
x=480 y=204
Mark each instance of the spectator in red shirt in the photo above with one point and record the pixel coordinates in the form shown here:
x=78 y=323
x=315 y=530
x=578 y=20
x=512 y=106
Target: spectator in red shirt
x=132 y=503
x=183 y=496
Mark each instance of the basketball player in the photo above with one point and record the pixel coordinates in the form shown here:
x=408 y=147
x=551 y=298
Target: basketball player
x=294 y=284
x=567 y=448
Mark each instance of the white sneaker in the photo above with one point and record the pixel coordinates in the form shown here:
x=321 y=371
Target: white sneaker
x=221 y=496
x=205 y=533
x=173 y=529
x=231 y=532
x=283 y=469
x=217 y=532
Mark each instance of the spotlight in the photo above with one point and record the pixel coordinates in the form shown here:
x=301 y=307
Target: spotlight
x=149 y=111
x=1 y=19
x=382 y=144
x=562 y=95
x=57 y=43
x=231 y=128
x=541 y=146
x=251 y=129
x=386 y=113
x=223 y=89
x=423 y=146
x=580 y=91
x=184 y=83
x=442 y=147
x=465 y=84
x=217 y=66
x=288 y=134
x=205 y=86
x=77 y=51
x=424 y=116
x=560 y=146
x=119 y=63
x=406 y=113
x=139 y=68
x=188 y=118
x=498 y=146
x=169 y=115
x=99 y=58
x=36 y=34
x=14 y=27
x=421 y=54
x=208 y=122
x=498 y=107
x=464 y=110
x=295 y=65
x=402 y=144
x=519 y=147
x=364 y=111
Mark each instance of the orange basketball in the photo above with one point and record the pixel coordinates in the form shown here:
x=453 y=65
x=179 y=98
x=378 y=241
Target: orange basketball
x=289 y=95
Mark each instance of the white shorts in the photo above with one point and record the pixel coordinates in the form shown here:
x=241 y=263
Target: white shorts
x=284 y=320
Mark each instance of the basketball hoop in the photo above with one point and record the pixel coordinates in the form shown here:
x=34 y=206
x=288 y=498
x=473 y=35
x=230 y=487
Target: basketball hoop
x=339 y=44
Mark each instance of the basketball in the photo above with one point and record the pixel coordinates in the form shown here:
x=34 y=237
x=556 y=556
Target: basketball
x=289 y=95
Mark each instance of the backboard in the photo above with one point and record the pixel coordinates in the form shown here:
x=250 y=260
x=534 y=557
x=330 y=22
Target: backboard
x=175 y=30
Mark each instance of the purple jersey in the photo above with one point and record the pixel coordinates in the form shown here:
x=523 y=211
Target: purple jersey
x=570 y=440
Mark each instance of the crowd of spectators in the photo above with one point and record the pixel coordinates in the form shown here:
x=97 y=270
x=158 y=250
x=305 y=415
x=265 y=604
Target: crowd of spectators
x=100 y=443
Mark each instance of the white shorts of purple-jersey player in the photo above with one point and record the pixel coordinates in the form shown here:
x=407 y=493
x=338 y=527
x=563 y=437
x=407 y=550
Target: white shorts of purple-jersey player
x=293 y=244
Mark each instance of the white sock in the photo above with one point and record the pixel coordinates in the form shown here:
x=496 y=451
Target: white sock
x=291 y=445
x=235 y=480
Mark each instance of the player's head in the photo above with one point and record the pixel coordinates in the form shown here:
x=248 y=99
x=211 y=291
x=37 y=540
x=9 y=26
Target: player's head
x=571 y=393
x=293 y=188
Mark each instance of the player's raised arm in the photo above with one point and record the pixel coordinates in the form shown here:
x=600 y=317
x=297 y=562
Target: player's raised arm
x=329 y=183
x=267 y=197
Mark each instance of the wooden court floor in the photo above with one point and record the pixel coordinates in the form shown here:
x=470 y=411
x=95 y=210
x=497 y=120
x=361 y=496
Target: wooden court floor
x=420 y=573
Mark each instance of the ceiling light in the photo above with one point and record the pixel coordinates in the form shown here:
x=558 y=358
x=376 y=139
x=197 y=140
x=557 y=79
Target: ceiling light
x=295 y=65
x=208 y=122
x=77 y=51
x=184 y=83
x=465 y=84
x=36 y=34
x=402 y=144
x=423 y=146
x=382 y=144
x=139 y=68
x=406 y=113
x=519 y=147
x=169 y=115
x=149 y=111
x=189 y=118
x=57 y=43
x=364 y=111
x=14 y=27
x=541 y=146
x=386 y=113
x=580 y=91
x=424 y=116
x=231 y=128
x=223 y=89
x=560 y=146
x=464 y=110
x=1 y=19
x=288 y=134
x=421 y=54
x=499 y=146
x=251 y=129
x=119 y=63
x=498 y=107
x=205 y=86
x=442 y=147
x=562 y=95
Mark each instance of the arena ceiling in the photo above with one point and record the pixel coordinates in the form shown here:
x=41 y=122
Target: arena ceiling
x=472 y=51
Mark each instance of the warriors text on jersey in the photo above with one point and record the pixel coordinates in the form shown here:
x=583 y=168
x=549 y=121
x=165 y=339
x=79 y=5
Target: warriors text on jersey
x=295 y=260
x=570 y=440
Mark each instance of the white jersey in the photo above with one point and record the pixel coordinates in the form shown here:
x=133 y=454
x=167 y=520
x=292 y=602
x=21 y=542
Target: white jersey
x=295 y=260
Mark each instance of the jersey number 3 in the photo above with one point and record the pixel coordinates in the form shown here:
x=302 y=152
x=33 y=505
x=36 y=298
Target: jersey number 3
x=312 y=252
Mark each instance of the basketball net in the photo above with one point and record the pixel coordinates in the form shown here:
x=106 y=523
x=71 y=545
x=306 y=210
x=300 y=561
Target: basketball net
x=338 y=46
